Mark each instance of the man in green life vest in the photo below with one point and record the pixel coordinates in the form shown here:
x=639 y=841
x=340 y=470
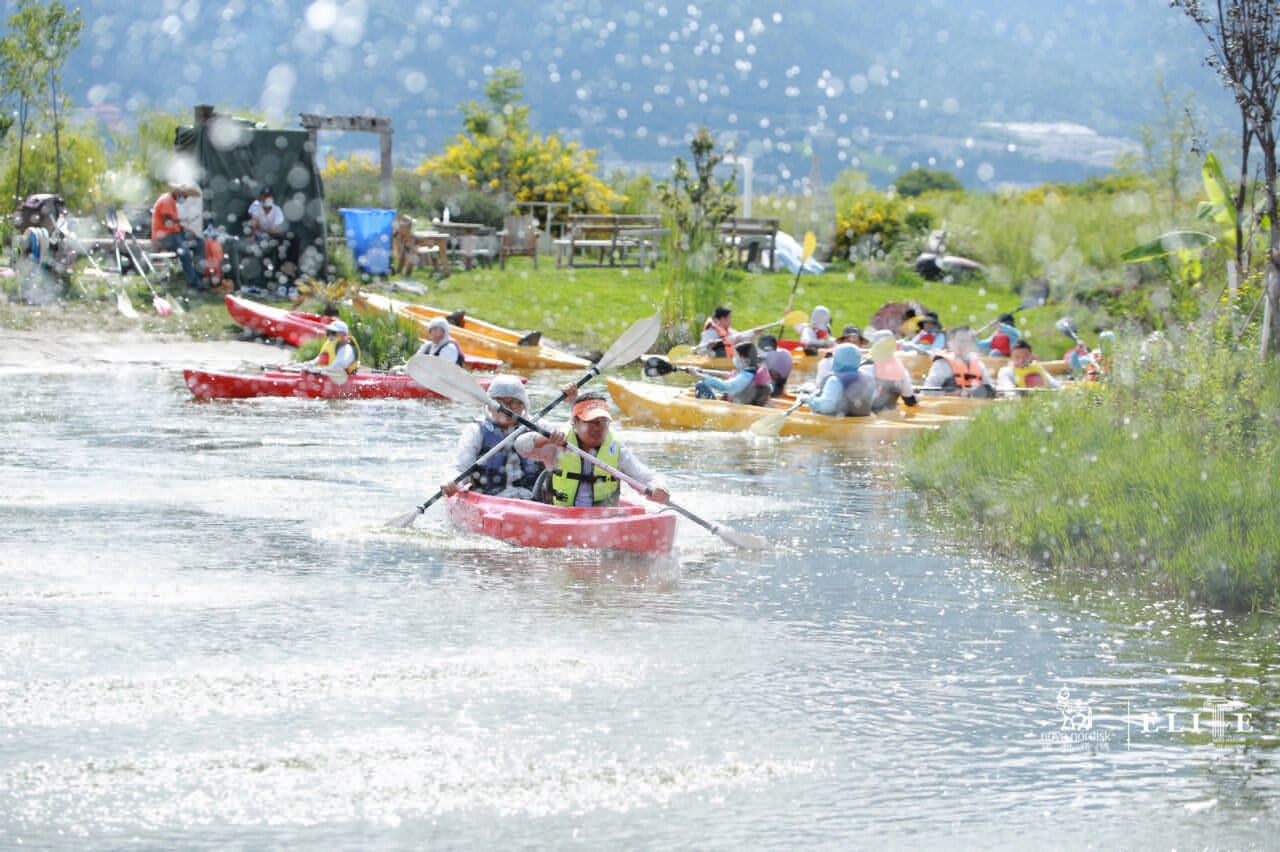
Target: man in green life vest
x=574 y=481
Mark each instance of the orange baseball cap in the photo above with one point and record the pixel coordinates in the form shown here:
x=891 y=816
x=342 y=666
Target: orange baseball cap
x=592 y=409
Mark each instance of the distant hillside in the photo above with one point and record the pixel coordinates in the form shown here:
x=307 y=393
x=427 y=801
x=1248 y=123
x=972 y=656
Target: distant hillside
x=994 y=91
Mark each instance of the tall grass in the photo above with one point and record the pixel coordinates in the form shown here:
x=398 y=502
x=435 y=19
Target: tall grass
x=1167 y=471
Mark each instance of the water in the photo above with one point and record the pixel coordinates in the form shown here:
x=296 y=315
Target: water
x=211 y=641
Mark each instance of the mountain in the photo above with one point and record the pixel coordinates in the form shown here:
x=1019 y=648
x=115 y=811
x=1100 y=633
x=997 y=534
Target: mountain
x=994 y=91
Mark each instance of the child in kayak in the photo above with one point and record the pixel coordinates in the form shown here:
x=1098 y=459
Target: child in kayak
x=506 y=474
x=750 y=383
x=440 y=344
x=572 y=480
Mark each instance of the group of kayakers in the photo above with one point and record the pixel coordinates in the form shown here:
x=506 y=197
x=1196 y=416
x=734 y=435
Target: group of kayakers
x=860 y=374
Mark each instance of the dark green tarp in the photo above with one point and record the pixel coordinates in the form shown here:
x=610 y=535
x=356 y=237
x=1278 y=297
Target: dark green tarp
x=236 y=159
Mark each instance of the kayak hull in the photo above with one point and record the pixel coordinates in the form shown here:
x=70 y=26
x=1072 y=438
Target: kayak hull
x=528 y=523
x=208 y=384
x=297 y=327
x=293 y=327
x=487 y=339
x=678 y=408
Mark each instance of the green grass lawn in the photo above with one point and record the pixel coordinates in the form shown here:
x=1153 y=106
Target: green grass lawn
x=590 y=307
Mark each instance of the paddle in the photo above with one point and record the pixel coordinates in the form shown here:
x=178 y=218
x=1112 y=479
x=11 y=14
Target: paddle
x=119 y=227
x=1068 y=327
x=660 y=365
x=810 y=243
x=771 y=426
x=453 y=381
x=631 y=345
x=122 y=299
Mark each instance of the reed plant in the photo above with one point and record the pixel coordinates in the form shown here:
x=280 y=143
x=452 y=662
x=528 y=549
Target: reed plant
x=1164 y=473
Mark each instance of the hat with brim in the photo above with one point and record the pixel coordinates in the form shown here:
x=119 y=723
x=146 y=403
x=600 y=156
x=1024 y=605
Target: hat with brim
x=882 y=350
x=592 y=409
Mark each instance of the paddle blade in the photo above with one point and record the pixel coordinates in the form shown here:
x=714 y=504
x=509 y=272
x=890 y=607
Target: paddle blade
x=795 y=318
x=124 y=305
x=404 y=521
x=771 y=426
x=810 y=243
x=1068 y=327
x=445 y=378
x=633 y=343
x=746 y=541
x=162 y=306
x=675 y=353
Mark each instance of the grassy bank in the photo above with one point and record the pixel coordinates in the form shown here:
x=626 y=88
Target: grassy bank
x=1164 y=476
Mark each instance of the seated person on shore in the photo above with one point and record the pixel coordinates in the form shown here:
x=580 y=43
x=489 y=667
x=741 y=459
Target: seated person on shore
x=268 y=229
x=892 y=381
x=168 y=233
x=718 y=336
x=340 y=350
x=191 y=214
x=778 y=362
x=1002 y=339
x=750 y=383
x=404 y=247
x=571 y=479
x=1023 y=371
x=440 y=344
x=816 y=333
x=930 y=338
x=506 y=473
x=959 y=369
x=847 y=391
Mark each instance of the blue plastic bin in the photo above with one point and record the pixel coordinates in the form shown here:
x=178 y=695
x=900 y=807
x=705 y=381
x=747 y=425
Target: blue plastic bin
x=369 y=236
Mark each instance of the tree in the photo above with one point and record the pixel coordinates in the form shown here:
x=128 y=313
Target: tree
x=498 y=153
x=696 y=204
x=33 y=52
x=1244 y=41
x=917 y=182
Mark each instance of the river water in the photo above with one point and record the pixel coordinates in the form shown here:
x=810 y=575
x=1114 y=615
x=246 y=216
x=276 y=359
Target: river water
x=210 y=640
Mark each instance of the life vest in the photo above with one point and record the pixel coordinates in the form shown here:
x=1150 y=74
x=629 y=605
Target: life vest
x=491 y=477
x=964 y=374
x=329 y=353
x=568 y=475
x=436 y=350
x=859 y=393
x=760 y=389
x=724 y=334
x=1030 y=376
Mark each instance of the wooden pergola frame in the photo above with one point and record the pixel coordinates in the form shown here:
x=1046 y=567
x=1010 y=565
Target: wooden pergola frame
x=378 y=124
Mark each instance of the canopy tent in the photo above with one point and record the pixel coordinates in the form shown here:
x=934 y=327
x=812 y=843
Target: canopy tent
x=235 y=159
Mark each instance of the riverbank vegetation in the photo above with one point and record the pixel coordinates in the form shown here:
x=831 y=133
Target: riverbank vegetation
x=1163 y=476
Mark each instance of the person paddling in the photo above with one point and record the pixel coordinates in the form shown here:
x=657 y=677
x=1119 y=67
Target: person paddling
x=571 y=479
x=440 y=344
x=892 y=381
x=750 y=383
x=505 y=474
x=340 y=349
x=777 y=361
x=959 y=368
x=847 y=392
x=816 y=333
x=718 y=336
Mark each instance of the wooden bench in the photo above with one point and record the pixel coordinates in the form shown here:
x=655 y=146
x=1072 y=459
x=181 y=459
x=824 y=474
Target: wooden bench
x=747 y=239
x=599 y=239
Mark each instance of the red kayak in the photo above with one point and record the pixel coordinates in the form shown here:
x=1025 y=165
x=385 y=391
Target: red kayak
x=297 y=327
x=206 y=384
x=532 y=524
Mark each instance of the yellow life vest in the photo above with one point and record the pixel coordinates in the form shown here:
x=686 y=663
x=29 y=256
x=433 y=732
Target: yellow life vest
x=329 y=353
x=568 y=475
x=1030 y=376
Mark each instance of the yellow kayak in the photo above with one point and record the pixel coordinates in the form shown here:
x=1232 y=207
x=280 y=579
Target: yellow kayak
x=678 y=408
x=917 y=364
x=481 y=338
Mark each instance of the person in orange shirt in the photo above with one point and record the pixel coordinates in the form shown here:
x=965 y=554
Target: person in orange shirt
x=168 y=233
